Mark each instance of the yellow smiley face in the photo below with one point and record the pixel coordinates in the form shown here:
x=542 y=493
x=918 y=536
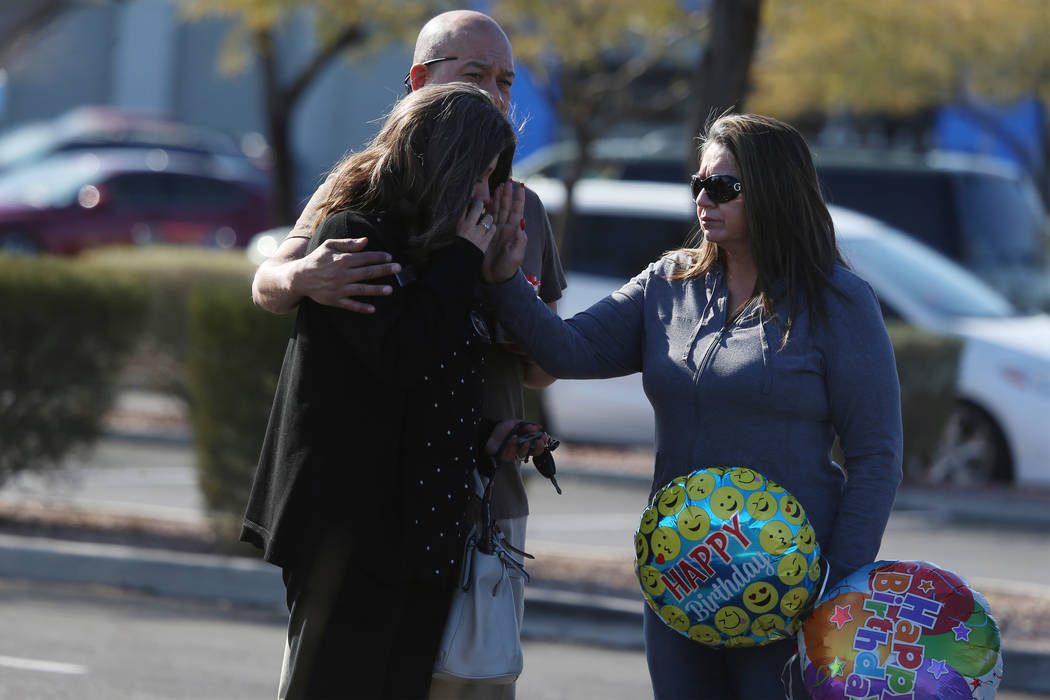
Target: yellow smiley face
x=649 y=577
x=814 y=570
x=760 y=597
x=774 y=487
x=731 y=620
x=746 y=479
x=726 y=501
x=775 y=537
x=665 y=544
x=705 y=634
x=806 y=539
x=718 y=471
x=641 y=548
x=792 y=510
x=649 y=520
x=792 y=601
x=650 y=602
x=740 y=642
x=700 y=485
x=766 y=625
x=693 y=523
x=761 y=505
x=675 y=617
x=671 y=499
x=792 y=568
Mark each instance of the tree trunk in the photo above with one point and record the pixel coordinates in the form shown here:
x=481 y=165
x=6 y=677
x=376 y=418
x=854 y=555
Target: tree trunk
x=722 y=78
x=278 y=117
x=565 y=223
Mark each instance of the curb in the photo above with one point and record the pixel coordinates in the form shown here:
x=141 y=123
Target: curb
x=555 y=615
x=161 y=572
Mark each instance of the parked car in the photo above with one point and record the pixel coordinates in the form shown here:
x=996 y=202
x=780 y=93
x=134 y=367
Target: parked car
x=981 y=212
x=999 y=429
x=94 y=128
x=80 y=199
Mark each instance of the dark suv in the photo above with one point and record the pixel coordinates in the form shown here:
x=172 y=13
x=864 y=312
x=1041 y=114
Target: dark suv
x=979 y=211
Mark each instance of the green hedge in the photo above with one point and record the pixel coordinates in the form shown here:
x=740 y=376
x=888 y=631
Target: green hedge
x=66 y=329
x=927 y=365
x=235 y=353
x=64 y=336
x=167 y=274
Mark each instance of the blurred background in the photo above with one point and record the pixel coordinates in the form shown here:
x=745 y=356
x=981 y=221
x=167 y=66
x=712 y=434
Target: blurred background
x=153 y=152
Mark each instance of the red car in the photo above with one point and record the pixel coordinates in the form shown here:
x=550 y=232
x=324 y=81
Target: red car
x=71 y=201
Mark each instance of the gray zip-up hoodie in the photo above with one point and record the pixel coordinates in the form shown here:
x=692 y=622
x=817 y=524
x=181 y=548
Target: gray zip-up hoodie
x=730 y=396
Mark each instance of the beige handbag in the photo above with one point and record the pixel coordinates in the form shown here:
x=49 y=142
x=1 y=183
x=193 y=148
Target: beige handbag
x=482 y=642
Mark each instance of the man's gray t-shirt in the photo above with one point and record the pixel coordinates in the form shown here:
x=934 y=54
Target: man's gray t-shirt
x=502 y=395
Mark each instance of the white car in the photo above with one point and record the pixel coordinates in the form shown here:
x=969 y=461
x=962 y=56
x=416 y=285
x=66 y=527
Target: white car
x=1001 y=428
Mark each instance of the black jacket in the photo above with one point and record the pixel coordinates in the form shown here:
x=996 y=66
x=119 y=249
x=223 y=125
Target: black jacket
x=375 y=425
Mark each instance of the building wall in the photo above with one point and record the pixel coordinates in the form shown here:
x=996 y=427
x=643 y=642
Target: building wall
x=141 y=55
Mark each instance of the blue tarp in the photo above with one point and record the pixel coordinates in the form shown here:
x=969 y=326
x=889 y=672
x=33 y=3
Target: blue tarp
x=1013 y=132
x=532 y=112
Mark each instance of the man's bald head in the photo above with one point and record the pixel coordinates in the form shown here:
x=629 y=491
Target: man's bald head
x=443 y=33
x=468 y=46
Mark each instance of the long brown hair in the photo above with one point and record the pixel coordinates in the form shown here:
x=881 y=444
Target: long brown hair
x=424 y=162
x=791 y=237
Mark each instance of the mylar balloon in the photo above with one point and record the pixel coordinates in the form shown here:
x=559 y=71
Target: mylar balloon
x=901 y=629
x=726 y=557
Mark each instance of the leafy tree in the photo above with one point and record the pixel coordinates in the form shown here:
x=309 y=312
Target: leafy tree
x=339 y=25
x=602 y=62
x=900 y=57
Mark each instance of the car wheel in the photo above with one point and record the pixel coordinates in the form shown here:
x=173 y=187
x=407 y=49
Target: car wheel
x=972 y=449
x=18 y=243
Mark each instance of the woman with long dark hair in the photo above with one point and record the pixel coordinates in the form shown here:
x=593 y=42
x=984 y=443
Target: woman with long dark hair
x=757 y=346
x=367 y=464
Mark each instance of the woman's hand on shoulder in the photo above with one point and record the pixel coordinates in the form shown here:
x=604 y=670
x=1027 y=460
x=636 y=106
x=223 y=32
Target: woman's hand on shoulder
x=507 y=251
x=476 y=225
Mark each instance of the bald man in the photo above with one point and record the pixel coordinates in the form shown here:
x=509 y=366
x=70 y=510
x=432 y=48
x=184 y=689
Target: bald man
x=455 y=46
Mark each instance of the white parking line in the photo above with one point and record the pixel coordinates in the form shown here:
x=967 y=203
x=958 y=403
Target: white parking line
x=43 y=666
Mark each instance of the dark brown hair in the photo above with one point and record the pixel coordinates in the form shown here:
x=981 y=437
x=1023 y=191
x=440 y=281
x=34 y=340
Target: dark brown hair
x=791 y=237
x=425 y=160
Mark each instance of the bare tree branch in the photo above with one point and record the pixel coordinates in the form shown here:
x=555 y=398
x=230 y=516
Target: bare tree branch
x=349 y=36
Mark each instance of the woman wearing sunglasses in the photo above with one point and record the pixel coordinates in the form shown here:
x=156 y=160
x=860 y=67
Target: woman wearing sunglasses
x=758 y=346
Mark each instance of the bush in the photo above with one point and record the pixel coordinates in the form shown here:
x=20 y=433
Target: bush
x=167 y=273
x=234 y=360
x=65 y=335
x=928 y=366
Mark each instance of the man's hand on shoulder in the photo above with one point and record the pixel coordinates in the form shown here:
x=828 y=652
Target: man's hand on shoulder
x=331 y=274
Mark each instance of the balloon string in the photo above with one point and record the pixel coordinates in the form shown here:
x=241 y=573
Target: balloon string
x=789 y=684
x=824 y=583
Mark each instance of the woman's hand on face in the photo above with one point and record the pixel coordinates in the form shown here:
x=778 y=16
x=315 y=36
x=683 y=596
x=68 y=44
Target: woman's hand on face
x=507 y=251
x=476 y=225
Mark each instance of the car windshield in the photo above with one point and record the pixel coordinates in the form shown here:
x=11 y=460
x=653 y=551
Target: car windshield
x=924 y=276
x=1004 y=222
x=53 y=183
x=621 y=246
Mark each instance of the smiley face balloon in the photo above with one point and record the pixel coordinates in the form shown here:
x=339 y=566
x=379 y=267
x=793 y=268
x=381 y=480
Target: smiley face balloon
x=727 y=557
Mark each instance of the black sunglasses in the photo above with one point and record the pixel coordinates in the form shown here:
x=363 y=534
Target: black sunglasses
x=720 y=188
x=408 y=78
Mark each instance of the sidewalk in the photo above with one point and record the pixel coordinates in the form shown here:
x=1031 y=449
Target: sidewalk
x=582 y=595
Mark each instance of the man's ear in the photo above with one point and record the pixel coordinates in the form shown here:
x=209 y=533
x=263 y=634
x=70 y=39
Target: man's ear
x=417 y=76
